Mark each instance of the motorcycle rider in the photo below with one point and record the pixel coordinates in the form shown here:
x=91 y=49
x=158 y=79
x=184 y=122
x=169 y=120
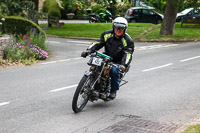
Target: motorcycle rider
x=118 y=45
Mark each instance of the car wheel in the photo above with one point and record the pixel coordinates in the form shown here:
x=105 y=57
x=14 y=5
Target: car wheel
x=158 y=21
x=133 y=21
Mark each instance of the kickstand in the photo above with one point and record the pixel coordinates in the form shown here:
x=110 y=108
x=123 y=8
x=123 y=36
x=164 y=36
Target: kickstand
x=124 y=82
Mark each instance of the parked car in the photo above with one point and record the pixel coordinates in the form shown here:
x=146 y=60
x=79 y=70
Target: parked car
x=143 y=15
x=188 y=13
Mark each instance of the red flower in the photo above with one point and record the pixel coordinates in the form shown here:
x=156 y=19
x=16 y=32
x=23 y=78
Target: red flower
x=30 y=39
x=24 y=37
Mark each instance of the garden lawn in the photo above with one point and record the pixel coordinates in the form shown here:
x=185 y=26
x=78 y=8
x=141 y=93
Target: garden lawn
x=94 y=30
x=189 y=32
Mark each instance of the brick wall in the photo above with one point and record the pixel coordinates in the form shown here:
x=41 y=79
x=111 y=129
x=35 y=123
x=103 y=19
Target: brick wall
x=4 y=40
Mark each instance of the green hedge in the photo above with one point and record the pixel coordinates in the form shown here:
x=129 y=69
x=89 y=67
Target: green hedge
x=20 y=26
x=52 y=8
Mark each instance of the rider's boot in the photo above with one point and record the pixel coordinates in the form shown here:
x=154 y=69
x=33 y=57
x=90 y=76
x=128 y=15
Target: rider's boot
x=113 y=95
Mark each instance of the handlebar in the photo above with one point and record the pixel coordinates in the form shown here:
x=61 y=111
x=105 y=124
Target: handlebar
x=103 y=55
x=106 y=57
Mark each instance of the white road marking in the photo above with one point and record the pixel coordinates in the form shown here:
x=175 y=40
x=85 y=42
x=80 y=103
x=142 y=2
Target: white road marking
x=51 y=62
x=169 y=45
x=87 y=45
x=64 y=88
x=156 y=46
x=77 y=58
x=4 y=103
x=80 y=42
x=154 y=68
x=53 y=42
x=192 y=58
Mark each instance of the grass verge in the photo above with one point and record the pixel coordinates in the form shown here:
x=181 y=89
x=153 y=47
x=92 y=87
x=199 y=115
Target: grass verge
x=193 y=129
x=139 y=31
x=189 y=32
x=94 y=30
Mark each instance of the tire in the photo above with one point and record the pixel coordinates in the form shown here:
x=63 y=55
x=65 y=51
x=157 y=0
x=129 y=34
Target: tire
x=109 y=21
x=91 y=21
x=158 y=21
x=80 y=94
x=133 y=21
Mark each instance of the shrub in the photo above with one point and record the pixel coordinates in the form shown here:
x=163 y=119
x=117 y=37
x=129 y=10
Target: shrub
x=54 y=12
x=46 y=6
x=52 y=8
x=20 y=26
x=98 y=8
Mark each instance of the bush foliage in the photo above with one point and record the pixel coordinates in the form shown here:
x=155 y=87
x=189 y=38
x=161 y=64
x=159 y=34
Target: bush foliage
x=20 y=26
x=52 y=8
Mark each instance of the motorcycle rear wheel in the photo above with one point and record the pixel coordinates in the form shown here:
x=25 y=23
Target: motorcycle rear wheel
x=81 y=95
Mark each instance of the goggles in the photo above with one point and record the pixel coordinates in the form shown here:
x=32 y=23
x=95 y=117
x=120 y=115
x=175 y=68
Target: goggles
x=119 y=28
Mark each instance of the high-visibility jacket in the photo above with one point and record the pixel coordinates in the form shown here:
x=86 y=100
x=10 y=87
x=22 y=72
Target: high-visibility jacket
x=120 y=49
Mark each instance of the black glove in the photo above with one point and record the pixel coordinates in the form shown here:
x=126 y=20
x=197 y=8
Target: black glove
x=122 y=68
x=84 y=54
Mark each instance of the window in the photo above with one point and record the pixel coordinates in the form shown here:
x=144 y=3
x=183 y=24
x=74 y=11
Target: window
x=145 y=12
x=135 y=11
x=151 y=13
x=196 y=11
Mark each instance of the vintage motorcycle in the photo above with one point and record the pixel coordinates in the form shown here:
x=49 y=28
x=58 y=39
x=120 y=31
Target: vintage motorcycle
x=101 y=17
x=96 y=82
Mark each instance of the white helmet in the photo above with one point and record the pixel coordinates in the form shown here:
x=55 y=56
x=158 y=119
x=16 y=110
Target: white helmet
x=120 y=22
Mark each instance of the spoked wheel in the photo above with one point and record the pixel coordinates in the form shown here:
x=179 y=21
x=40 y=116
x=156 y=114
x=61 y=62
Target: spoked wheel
x=91 y=21
x=81 y=95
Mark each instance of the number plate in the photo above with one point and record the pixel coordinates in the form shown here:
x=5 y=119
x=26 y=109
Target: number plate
x=97 y=61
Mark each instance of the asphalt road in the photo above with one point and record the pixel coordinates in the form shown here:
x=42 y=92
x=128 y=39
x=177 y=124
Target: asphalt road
x=163 y=87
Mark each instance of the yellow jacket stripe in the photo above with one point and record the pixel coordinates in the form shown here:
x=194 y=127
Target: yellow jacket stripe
x=125 y=43
x=106 y=36
x=95 y=42
x=128 y=57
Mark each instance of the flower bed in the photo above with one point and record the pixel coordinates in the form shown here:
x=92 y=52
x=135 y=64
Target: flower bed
x=24 y=50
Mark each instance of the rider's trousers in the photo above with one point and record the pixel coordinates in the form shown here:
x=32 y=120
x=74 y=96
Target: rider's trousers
x=115 y=78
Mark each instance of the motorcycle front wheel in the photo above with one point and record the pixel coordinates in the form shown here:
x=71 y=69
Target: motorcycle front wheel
x=81 y=95
x=92 y=21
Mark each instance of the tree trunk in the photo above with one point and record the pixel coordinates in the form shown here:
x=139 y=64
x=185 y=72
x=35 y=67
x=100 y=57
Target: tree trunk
x=169 y=20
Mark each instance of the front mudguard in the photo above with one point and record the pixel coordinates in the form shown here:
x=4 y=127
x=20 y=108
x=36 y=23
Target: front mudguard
x=88 y=73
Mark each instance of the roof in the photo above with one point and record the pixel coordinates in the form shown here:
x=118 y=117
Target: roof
x=138 y=8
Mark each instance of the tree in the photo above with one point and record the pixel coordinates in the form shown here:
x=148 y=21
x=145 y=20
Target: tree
x=169 y=20
x=171 y=9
